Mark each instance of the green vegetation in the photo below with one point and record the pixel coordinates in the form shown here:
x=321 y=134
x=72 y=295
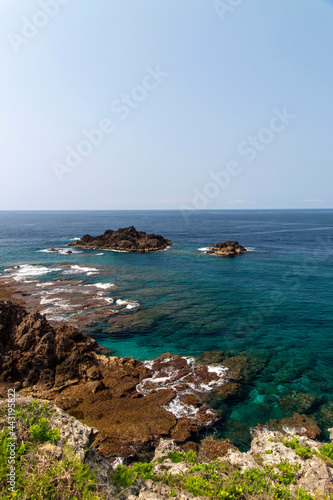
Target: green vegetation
x=303 y=451
x=42 y=432
x=220 y=480
x=125 y=476
x=43 y=471
x=177 y=456
x=327 y=450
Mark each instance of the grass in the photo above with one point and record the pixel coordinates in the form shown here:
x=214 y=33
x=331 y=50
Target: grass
x=42 y=470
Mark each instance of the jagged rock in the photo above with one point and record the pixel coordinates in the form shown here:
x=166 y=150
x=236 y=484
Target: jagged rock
x=211 y=449
x=267 y=448
x=226 y=249
x=164 y=447
x=297 y=424
x=126 y=239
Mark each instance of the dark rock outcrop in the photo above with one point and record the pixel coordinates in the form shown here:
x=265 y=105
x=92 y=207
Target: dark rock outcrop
x=126 y=239
x=226 y=249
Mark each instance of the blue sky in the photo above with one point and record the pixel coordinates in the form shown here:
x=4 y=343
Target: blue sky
x=199 y=104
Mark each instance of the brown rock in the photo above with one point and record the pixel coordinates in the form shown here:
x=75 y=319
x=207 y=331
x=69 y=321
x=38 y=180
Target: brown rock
x=227 y=390
x=211 y=449
x=237 y=366
x=227 y=249
x=297 y=424
x=189 y=446
x=183 y=430
x=95 y=386
x=93 y=373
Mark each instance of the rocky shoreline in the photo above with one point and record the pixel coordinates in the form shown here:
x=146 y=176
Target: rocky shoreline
x=132 y=403
x=278 y=465
x=126 y=239
x=134 y=410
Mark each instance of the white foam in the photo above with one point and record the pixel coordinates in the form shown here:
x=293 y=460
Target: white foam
x=105 y=286
x=100 y=253
x=46 y=283
x=120 y=302
x=127 y=303
x=250 y=249
x=132 y=305
x=180 y=409
x=203 y=249
x=75 y=239
x=61 y=251
x=80 y=270
x=167 y=378
x=292 y=430
x=26 y=270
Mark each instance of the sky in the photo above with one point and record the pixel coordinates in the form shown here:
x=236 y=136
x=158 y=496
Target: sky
x=166 y=104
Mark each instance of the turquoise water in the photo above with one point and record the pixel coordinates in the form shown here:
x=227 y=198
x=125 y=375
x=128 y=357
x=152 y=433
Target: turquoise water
x=274 y=302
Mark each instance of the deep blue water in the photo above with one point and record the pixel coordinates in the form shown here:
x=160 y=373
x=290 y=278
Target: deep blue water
x=275 y=301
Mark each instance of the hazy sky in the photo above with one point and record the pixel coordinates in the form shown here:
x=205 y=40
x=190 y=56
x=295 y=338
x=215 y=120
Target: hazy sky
x=199 y=104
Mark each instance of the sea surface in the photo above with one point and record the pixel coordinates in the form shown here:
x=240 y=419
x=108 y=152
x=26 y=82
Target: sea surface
x=273 y=303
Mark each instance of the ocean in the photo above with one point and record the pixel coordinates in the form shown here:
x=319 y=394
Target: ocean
x=273 y=303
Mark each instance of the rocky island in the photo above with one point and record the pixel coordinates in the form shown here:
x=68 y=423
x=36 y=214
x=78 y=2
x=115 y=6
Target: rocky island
x=226 y=249
x=126 y=239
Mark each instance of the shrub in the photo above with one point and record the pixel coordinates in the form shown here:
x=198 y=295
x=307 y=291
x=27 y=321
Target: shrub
x=327 y=450
x=303 y=451
x=41 y=431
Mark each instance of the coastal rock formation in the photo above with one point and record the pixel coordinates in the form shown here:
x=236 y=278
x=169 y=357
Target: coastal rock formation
x=276 y=463
x=132 y=403
x=226 y=249
x=298 y=424
x=126 y=239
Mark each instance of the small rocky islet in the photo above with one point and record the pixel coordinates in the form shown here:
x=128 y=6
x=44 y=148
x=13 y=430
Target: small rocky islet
x=126 y=239
x=226 y=249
